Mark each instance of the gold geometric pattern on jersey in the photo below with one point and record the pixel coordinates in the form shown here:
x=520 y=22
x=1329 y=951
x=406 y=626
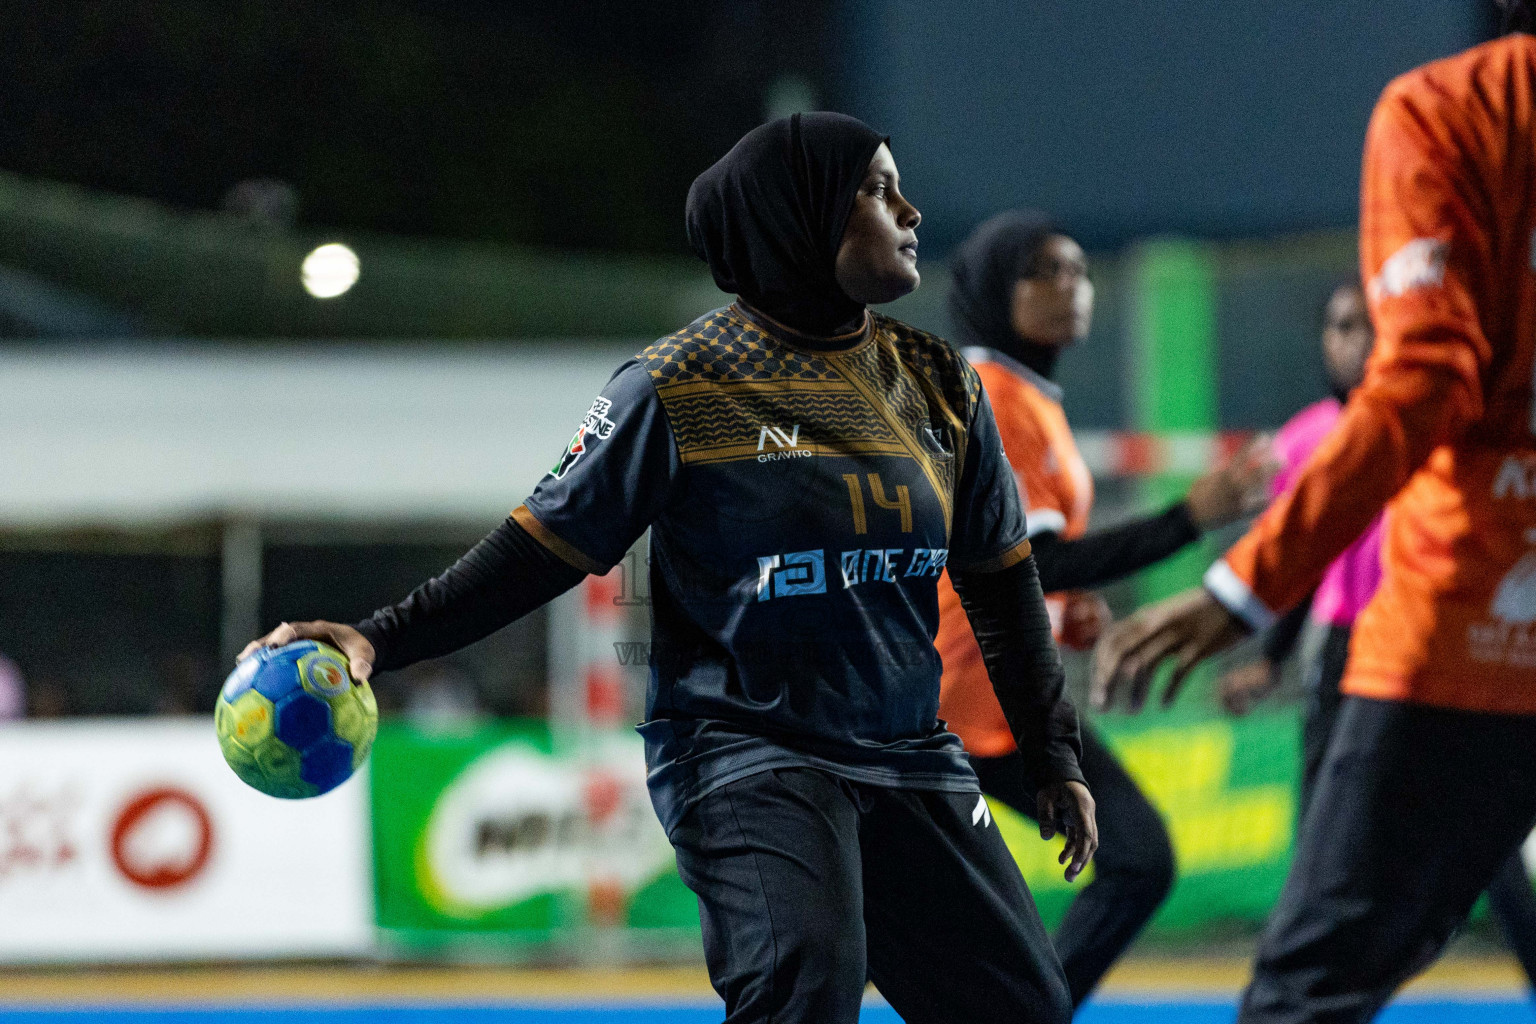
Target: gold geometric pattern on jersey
x=724 y=347
x=726 y=422
x=905 y=394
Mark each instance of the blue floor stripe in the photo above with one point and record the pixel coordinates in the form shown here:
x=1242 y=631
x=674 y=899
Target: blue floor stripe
x=1439 y=1011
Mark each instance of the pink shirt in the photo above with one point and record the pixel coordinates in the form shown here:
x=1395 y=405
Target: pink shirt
x=1350 y=581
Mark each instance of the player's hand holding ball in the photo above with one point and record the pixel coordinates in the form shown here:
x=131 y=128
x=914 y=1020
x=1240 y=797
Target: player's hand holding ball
x=348 y=641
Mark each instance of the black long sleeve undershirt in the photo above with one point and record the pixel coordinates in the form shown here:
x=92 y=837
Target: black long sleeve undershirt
x=502 y=578
x=1012 y=627
x=1108 y=555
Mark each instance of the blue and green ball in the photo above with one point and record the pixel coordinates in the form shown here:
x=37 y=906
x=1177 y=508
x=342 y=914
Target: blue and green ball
x=292 y=722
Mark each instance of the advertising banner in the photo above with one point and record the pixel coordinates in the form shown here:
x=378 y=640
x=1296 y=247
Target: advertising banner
x=1226 y=789
x=132 y=840
x=489 y=833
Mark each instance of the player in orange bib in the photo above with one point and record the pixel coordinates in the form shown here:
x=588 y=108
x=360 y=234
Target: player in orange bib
x=1021 y=295
x=1429 y=780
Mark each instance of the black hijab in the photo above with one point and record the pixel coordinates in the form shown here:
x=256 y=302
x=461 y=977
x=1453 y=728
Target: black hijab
x=984 y=270
x=768 y=217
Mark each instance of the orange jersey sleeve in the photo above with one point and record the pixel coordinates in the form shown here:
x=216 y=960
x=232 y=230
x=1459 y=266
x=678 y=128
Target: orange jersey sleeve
x=1054 y=484
x=1026 y=442
x=1056 y=491
x=1434 y=269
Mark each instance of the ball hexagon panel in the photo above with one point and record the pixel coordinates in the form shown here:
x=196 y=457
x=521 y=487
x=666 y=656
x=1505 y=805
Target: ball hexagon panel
x=239 y=757
x=327 y=764
x=363 y=743
x=350 y=721
x=241 y=679
x=302 y=719
x=279 y=773
x=252 y=718
x=276 y=679
x=324 y=674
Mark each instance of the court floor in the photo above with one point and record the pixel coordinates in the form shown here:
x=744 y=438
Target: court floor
x=1142 y=991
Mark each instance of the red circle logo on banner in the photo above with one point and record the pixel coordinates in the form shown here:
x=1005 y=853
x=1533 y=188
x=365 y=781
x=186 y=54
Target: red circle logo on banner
x=162 y=838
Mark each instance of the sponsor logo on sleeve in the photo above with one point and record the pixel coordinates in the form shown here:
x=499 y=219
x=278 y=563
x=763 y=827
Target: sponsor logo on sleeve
x=1419 y=264
x=595 y=426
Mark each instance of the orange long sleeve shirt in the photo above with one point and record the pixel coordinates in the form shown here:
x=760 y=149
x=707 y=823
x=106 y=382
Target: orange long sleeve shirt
x=1441 y=432
x=1057 y=491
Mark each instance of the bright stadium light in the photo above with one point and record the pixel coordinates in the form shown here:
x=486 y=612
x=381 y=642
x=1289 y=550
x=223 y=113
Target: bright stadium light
x=330 y=270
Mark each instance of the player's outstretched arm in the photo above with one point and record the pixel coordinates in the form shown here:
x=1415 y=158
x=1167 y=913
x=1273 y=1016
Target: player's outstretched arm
x=607 y=488
x=1223 y=495
x=502 y=578
x=1425 y=251
x=1187 y=628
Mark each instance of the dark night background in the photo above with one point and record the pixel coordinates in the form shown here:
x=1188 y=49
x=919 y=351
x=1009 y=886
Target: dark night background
x=580 y=125
x=574 y=125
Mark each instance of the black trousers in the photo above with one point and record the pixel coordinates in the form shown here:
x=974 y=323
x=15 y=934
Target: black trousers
x=1414 y=812
x=1323 y=677
x=808 y=884
x=1133 y=869
x=1511 y=899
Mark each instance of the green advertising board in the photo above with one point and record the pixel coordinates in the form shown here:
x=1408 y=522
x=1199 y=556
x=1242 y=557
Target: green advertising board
x=1226 y=789
x=489 y=834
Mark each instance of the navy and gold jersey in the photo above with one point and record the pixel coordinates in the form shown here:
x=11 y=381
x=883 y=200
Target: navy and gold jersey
x=803 y=495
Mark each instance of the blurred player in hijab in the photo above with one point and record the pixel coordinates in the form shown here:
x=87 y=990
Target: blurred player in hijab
x=1428 y=784
x=1020 y=296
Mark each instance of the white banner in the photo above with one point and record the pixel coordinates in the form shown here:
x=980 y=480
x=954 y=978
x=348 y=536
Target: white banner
x=163 y=431
x=132 y=840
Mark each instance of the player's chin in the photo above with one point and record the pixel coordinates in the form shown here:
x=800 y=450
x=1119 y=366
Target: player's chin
x=898 y=279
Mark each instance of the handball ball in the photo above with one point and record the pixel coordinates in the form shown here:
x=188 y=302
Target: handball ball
x=292 y=721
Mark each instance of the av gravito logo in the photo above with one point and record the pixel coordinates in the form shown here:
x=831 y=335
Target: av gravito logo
x=786 y=445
